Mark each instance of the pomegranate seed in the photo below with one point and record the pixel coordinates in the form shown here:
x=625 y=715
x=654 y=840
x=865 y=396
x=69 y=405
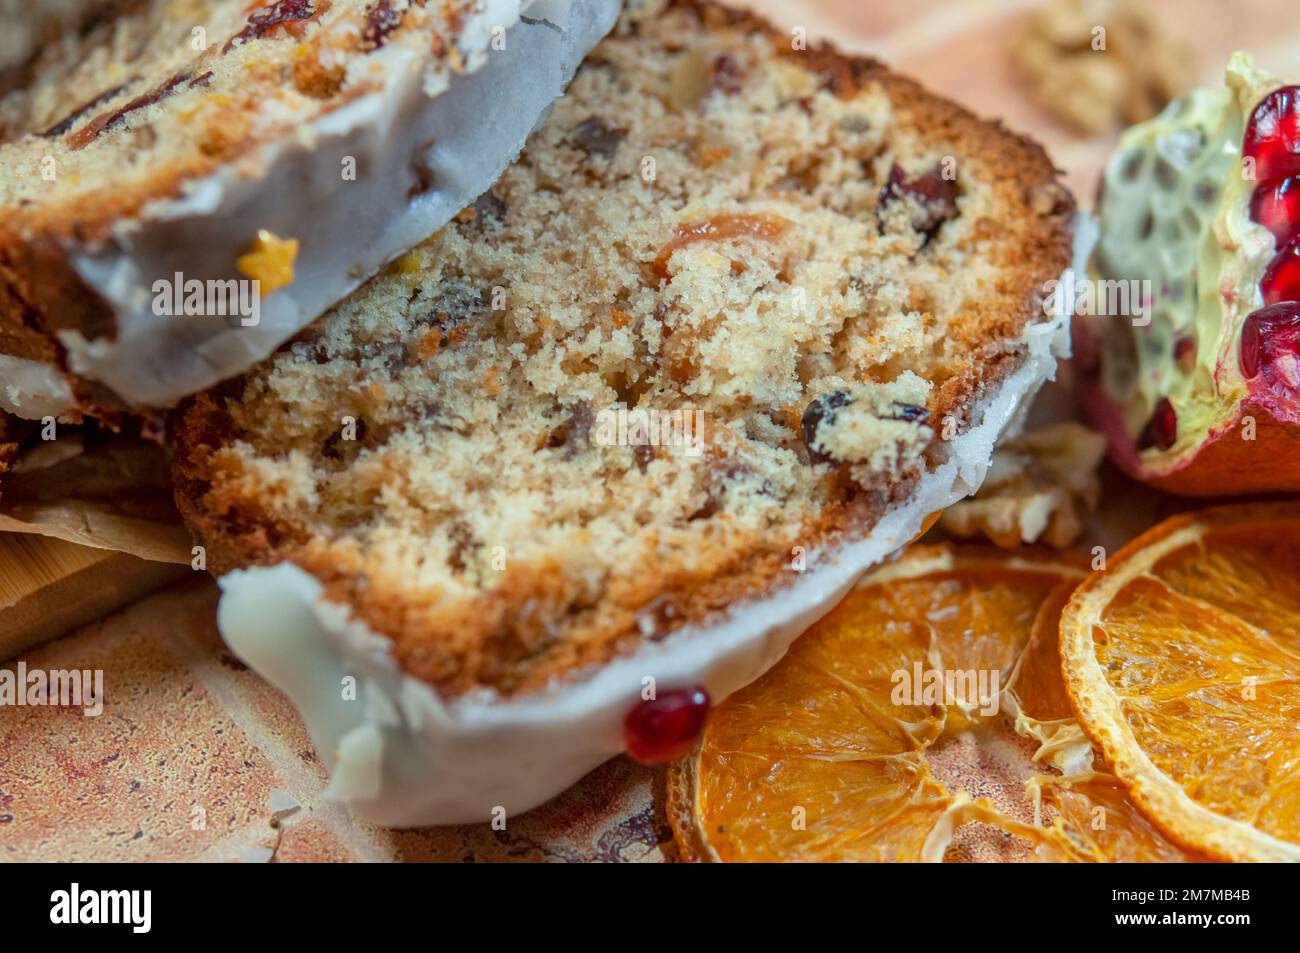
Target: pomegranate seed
x=1270 y=349
x=1185 y=354
x=1281 y=281
x=666 y=727
x=1273 y=135
x=1276 y=206
x=1162 y=431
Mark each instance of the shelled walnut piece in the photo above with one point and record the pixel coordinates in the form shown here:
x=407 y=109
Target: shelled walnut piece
x=1040 y=486
x=1101 y=65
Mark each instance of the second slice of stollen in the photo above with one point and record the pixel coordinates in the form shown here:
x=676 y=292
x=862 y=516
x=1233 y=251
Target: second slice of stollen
x=172 y=153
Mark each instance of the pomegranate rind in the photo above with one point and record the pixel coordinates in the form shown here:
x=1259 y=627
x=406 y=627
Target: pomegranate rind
x=1098 y=706
x=1226 y=463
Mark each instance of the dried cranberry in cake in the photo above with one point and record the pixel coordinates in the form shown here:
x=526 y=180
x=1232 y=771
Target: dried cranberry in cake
x=1276 y=206
x=935 y=193
x=1270 y=351
x=728 y=75
x=665 y=728
x=644 y=455
x=380 y=21
x=574 y=435
x=1273 y=135
x=1281 y=281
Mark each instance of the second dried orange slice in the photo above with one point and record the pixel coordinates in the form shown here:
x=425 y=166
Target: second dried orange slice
x=1182 y=659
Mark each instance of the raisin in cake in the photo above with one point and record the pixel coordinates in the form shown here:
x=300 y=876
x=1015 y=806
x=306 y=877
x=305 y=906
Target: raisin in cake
x=199 y=143
x=711 y=346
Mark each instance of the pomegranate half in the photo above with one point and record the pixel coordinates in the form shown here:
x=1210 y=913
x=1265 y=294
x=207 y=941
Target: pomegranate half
x=1188 y=340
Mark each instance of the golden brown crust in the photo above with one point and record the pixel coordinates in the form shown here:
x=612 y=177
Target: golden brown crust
x=501 y=640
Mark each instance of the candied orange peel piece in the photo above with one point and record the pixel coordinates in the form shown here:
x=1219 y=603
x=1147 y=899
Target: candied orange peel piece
x=270 y=261
x=718 y=228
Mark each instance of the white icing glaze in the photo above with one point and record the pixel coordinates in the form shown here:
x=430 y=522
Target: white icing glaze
x=33 y=388
x=464 y=136
x=403 y=756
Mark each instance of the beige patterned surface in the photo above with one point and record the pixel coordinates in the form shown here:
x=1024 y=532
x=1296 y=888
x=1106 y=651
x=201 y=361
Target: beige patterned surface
x=193 y=755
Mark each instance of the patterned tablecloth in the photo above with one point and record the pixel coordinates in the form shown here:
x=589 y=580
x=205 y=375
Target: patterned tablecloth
x=195 y=757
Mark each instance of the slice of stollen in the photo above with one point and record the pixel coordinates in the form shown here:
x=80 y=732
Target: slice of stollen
x=187 y=184
x=737 y=320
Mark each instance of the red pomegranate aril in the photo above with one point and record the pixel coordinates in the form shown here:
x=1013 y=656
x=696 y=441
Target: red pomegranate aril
x=1276 y=206
x=1162 y=430
x=1273 y=135
x=1281 y=281
x=665 y=728
x=1185 y=354
x=1270 y=349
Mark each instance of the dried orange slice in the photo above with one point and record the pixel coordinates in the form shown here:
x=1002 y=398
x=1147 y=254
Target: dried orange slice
x=1093 y=817
x=1182 y=660
x=1097 y=821
x=823 y=758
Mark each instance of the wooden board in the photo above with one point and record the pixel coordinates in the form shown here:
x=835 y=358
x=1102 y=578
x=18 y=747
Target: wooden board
x=49 y=587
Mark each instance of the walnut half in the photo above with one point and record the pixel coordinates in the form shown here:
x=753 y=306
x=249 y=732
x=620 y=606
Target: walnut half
x=1039 y=487
x=1101 y=65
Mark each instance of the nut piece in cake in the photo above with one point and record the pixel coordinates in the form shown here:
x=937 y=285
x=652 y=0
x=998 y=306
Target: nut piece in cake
x=1040 y=486
x=1101 y=65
